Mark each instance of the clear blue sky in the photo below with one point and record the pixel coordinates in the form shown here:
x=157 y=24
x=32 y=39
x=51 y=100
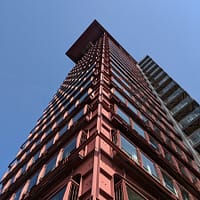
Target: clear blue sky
x=34 y=36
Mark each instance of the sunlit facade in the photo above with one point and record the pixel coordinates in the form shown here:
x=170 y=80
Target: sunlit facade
x=105 y=135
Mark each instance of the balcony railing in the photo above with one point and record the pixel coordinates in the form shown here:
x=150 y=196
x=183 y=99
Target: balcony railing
x=163 y=80
x=195 y=137
x=181 y=105
x=154 y=71
x=167 y=88
x=158 y=75
x=174 y=95
x=186 y=121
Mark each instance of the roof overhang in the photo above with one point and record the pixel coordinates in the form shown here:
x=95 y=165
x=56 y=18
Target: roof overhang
x=91 y=34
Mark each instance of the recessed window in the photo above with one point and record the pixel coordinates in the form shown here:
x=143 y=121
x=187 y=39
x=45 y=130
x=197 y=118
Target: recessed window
x=33 y=181
x=185 y=195
x=59 y=195
x=139 y=130
x=117 y=83
x=144 y=118
x=132 y=195
x=49 y=143
x=36 y=156
x=24 y=168
x=83 y=97
x=168 y=156
x=133 y=108
x=153 y=143
x=148 y=165
x=71 y=108
x=18 y=193
x=128 y=148
x=123 y=115
x=63 y=129
x=119 y=95
x=78 y=115
x=69 y=148
x=168 y=183
x=51 y=164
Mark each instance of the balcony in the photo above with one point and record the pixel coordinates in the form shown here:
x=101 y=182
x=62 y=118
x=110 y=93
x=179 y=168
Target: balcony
x=190 y=118
x=151 y=69
x=195 y=138
x=167 y=88
x=162 y=81
x=156 y=78
x=148 y=67
x=181 y=105
x=154 y=71
x=174 y=95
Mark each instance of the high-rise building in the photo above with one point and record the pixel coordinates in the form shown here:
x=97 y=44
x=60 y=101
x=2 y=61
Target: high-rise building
x=105 y=135
x=183 y=108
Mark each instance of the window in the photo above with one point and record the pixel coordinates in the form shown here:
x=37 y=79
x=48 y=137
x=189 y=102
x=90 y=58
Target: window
x=18 y=193
x=36 y=156
x=169 y=183
x=117 y=83
x=144 y=118
x=148 y=165
x=51 y=164
x=49 y=143
x=83 y=97
x=63 y=129
x=132 y=195
x=153 y=143
x=138 y=129
x=78 y=116
x=123 y=115
x=24 y=168
x=71 y=108
x=185 y=195
x=129 y=148
x=168 y=156
x=132 y=108
x=119 y=95
x=33 y=181
x=69 y=148
x=59 y=195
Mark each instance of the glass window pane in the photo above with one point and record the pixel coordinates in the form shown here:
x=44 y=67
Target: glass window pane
x=153 y=142
x=59 y=195
x=49 y=143
x=119 y=95
x=168 y=183
x=69 y=148
x=71 y=108
x=132 y=108
x=17 y=195
x=185 y=195
x=132 y=195
x=51 y=165
x=36 y=156
x=63 y=129
x=78 y=115
x=138 y=129
x=117 y=83
x=123 y=115
x=149 y=165
x=128 y=148
x=83 y=97
x=33 y=181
